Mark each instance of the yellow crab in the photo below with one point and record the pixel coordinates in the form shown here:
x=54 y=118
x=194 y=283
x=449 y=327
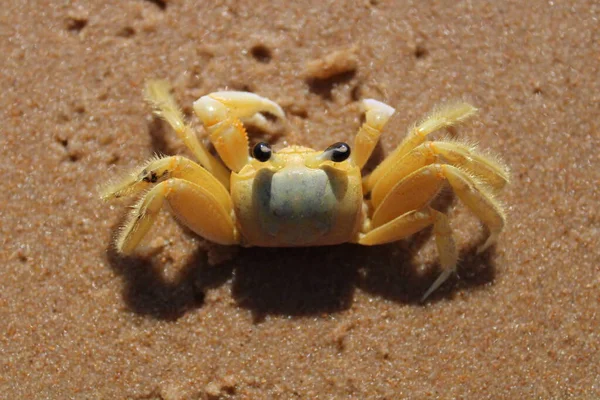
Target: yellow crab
x=302 y=197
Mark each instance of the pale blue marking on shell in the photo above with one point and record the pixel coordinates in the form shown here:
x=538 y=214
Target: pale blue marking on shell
x=296 y=205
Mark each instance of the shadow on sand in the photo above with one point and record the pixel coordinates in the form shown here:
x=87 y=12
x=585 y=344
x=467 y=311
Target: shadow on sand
x=297 y=281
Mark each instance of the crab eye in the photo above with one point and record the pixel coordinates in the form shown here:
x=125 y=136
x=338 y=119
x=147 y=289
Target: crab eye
x=262 y=152
x=337 y=152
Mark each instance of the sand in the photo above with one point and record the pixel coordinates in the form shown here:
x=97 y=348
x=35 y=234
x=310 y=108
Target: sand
x=78 y=321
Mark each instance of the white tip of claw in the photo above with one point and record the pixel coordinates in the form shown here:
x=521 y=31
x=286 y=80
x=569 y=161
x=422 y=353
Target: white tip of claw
x=275 y=109
x=492 y=239
x=372 y=104
x=438 y=282
x=377 y=113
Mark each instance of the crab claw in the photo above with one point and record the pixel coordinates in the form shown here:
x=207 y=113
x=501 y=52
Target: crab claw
x=223 y=113
x=218 y=106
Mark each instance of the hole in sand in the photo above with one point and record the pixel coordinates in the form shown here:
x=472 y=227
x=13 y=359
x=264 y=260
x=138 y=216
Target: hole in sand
x=261 y=53
x=76 y=25
x=420 y=51
x=126 y=32
x=162 y=4
x=324 y=87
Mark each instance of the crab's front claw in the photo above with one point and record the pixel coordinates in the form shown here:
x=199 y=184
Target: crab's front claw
x=221 y=114
x=218 y=106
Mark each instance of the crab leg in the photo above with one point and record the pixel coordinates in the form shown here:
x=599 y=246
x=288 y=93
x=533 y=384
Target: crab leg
x=398 y=228
x=158 y=94
x=412 y=222
x=458 y=154
x=448 y=115
x=411 y=193
x=478 y=200
x=159 y=169
x=377 y=115
x=191 y=204
x=222 y=114
x=446 y=247
x=419 y=188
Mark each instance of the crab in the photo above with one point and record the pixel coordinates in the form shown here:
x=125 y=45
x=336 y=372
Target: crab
x=298 y=196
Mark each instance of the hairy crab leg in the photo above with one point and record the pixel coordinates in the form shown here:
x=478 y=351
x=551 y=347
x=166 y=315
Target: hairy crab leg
x=419 y=188
x=439 y=118
x=479 y=200
x=158 y=94
x=414 y=192
x=159 y=169
x=488 y=170
x=191 y=204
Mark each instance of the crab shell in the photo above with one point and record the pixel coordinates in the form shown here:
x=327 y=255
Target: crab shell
x=287 y=203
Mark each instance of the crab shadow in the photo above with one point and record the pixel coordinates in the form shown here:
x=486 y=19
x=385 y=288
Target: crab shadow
x=312 y=281
x=296 y=281
x=300 y=281
x=147 y=291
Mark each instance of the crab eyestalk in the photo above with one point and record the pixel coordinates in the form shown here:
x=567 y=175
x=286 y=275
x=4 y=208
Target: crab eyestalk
x=337 y=152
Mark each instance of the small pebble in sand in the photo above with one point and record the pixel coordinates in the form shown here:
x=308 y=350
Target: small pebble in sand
x=335 y=63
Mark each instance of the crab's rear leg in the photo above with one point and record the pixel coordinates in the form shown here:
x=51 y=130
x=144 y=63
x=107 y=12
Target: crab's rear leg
x=190 y=190
x=377 y=115
x=191 y=204
x=412 y=222
x=401 y=212
x=222 y=114
x=491 y=172
x=439 y=118
x=159 y=169
x=420 y=188
x=158 y=94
